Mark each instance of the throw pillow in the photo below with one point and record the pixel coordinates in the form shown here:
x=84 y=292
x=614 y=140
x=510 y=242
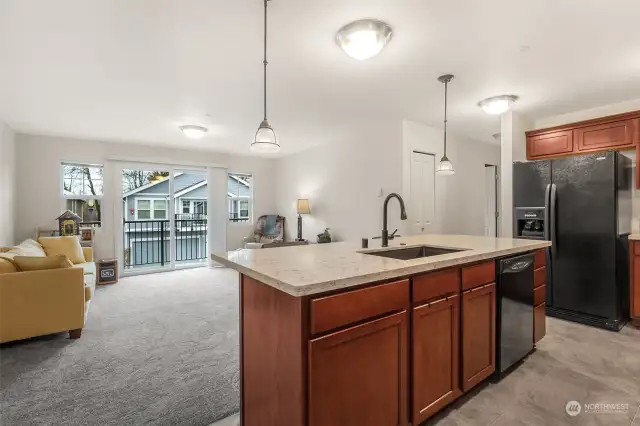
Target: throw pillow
x=31 y=248
x=69 y=246
x=37 y=263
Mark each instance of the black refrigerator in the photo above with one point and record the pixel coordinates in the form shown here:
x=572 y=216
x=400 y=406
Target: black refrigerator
x=582 y=204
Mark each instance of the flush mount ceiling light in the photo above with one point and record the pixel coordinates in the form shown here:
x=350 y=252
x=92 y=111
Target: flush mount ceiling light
x=497 y=104
x=265 y=139
x=364 y=39
x=445 y=168
x=194 y=132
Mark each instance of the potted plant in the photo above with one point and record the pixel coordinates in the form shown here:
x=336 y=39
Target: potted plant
x=324 y=237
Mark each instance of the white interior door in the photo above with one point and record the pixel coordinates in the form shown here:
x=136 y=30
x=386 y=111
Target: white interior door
x=422 y=204
x=490 y=212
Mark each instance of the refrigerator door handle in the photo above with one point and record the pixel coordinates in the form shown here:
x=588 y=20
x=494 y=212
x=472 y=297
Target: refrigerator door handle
x=547 y=224
x=552 y=217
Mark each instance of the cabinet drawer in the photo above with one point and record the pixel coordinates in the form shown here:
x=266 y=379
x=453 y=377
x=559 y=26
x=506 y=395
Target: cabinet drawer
x=328 y=313
x=636 y=248
x=435 y=284
x=539 y=277
x=476 y=275
x=549 y=144
x=539 y=295
x=609 y=135
x=539 y=322
x=540 y=259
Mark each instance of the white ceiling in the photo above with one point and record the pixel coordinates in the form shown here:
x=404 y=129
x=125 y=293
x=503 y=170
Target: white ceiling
x=133 y=70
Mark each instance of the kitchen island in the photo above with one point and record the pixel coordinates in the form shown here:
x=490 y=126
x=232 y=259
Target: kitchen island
x=334 y=335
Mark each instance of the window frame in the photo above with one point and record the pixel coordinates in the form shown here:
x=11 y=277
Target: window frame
x=151 y=207
x=231 y=199
x=64 y=198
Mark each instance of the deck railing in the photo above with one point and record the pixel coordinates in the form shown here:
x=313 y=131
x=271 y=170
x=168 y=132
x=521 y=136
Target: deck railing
x=147 y=242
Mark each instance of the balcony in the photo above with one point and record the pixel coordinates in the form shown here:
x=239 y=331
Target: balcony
x=147 y=243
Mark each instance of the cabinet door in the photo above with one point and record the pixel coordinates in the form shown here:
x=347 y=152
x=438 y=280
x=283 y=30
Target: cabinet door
x=550 y=144
x=436 y=331
x=478 y=335
x=614 y=135
x=539 y=322
x=358 y=376
x=635 y=285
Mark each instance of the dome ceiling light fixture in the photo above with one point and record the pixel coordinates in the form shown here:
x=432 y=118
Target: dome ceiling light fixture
x=265 y=139
x=445 y=167
x=497 y=104
x=364 y=39
x=193 y=132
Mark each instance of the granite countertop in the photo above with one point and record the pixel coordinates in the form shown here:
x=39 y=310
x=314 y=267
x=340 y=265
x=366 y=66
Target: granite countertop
x=635 y=236
x=317 y=268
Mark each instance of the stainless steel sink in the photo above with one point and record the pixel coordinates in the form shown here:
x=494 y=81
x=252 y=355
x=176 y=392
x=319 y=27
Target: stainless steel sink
x=414 y=252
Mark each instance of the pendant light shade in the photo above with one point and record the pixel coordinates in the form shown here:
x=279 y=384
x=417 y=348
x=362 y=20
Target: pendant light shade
x=445 y=167
x=265 y=139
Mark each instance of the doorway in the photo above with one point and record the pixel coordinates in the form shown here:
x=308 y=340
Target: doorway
x=423 y=188
x=491 y=213
x=164 y=218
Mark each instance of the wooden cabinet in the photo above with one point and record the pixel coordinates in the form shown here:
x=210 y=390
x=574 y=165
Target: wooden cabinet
x=634 y=285
x=550 y=144
x=358 y=376
x=435 y=354
x=478 y=335
x=539 y=296
x=539 y=323
x=617 y=134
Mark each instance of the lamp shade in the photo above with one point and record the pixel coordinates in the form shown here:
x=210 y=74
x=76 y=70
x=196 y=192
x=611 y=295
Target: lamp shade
x=303 y=206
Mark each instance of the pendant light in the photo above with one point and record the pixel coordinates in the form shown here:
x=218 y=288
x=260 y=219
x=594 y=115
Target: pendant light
x=265 y=139
x=445 y=168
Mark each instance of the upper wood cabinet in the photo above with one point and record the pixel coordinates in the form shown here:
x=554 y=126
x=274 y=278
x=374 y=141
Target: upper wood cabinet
x=358 y=376
x=618 y=134
x=478 y=335
x=436 y=331
x=550 y=144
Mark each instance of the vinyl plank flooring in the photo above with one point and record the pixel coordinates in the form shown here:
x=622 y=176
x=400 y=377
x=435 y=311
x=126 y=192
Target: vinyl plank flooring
x=572 y=363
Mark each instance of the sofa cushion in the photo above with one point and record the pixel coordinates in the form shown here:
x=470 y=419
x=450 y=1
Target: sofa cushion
x=31 y=248
x=63 y=245
x=37 y=263
x=7 y=266
x=88 y=267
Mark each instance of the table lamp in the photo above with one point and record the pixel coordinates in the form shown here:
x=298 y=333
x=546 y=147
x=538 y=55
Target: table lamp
x=303 y=208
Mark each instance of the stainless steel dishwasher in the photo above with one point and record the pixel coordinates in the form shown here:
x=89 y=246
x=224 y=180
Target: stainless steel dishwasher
x=514 y=314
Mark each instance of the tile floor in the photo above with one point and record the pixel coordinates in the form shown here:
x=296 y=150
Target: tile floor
x=572 y=363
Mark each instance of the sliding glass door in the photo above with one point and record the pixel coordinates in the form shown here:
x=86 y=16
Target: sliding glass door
x=190 y=201
x=164 y=218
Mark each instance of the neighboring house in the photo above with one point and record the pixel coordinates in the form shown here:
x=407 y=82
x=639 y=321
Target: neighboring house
x=146 y=213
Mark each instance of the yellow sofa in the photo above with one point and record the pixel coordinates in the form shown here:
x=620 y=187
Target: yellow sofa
x=35 y=303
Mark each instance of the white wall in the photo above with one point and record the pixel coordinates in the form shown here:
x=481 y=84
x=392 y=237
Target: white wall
x=588 y=114
x=344 y=181
x=38 y=161
x=7 y=185
x=460 y=199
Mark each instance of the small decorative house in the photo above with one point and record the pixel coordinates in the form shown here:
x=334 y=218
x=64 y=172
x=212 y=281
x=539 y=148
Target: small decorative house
x=69 y=223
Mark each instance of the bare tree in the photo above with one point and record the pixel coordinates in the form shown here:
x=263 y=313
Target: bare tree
x=134 y=179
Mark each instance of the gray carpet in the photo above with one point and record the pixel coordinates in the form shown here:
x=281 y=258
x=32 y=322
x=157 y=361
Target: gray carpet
x=158 y=349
